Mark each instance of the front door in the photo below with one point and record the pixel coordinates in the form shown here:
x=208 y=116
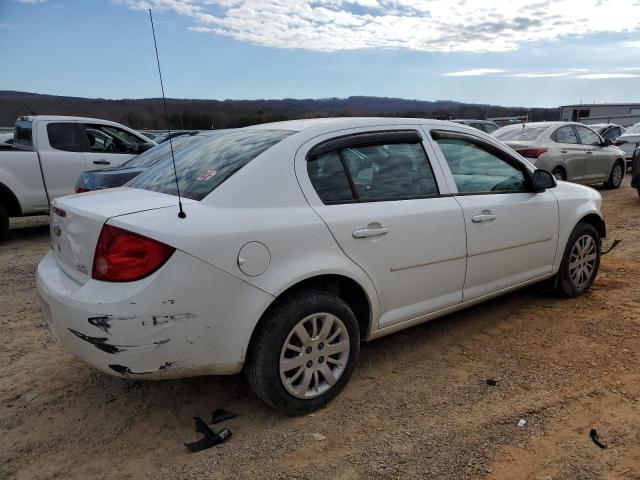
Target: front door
x=379 y=197
x=512 y=233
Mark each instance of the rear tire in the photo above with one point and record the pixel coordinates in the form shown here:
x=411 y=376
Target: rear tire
x=616 y=176
x=580 y=262
x=4 y=222
x=559 y=173
x=286 y=371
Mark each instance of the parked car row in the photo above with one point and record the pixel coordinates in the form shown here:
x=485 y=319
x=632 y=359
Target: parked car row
x=48 y=155
x=301 y=240
x=571 y=151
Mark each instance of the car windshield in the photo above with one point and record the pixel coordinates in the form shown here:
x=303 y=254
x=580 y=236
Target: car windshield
x=634 y=129
x=206 y=165
x=519 y=132
x=163 y=151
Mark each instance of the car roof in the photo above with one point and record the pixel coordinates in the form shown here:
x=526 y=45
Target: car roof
x=471 y=120
x=347 y=122
x=67 y=118
x=546 y=124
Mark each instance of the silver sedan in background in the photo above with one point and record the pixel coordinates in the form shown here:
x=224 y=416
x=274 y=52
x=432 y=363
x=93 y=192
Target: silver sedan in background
x=569 y=150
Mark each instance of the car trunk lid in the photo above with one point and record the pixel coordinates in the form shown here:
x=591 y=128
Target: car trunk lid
x=76 y=222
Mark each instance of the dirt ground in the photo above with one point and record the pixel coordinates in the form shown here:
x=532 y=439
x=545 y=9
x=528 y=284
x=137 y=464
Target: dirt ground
x=418 y=406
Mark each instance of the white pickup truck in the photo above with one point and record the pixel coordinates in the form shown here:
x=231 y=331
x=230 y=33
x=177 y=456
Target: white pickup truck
x=50 y=153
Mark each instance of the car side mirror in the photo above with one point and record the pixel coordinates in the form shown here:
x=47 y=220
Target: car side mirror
x=607 y=142
x=143 y=147
x=543 y=180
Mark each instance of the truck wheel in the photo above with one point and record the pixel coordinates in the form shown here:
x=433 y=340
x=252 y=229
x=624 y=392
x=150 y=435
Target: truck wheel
x=581 y=261
x=615 y=177
x=4 y=222
x=304 y=352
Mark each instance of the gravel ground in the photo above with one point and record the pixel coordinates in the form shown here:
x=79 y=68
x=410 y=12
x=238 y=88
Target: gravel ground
x=418 y=406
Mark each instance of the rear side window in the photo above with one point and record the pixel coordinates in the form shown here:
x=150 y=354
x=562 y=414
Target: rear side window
x=565 y=134
x=204 y=166
x=329 y=178
x=373 y=173
x=22 y=134
x=65 y=137
x=477 y=169
x=490 y=127
x=588 y=137
x=520 y=132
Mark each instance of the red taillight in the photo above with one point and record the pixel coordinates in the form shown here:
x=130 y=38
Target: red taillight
x=531 y=152
x=81 y=190
x=122 y=256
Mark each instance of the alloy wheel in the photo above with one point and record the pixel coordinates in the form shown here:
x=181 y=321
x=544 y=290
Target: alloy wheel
x=616 y=176
x=582 y=262
x=314 y=355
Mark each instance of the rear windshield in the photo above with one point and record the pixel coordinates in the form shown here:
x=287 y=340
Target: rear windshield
x=163 y=151
x=207 y=164
x=22 y=134
x=519 y=132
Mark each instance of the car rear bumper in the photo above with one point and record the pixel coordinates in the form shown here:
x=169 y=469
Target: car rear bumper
x=188 y=318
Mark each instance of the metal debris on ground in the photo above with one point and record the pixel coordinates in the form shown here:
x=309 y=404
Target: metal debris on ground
x=522 y=423
x=594 y=436
x=210 y=438
x=615 y=243
x=220 y=415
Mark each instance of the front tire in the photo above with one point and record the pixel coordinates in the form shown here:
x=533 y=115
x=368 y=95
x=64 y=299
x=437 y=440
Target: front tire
x=615 y=177
x=304 y=352
x=580 y=262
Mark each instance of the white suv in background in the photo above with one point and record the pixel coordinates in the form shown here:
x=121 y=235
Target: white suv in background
x=301 y=240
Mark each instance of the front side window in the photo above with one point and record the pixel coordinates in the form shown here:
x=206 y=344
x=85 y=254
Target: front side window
x=374 y=173
x=588 y=137
x=565 y=134
x=65 y=137
x=110 y=139
x=204 y=166
x=476 y=169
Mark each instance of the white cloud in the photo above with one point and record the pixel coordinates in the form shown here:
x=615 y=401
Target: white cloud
x=631 y=44
x=565 y=73
x=432 y=26
x=475 y=72
x=601 y=76
x=32 y=2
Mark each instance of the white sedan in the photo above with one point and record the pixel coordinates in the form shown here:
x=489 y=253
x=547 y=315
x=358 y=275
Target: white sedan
x=302 y=239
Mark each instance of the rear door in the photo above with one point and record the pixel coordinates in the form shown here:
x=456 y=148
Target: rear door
x=512 y=233
x=599 y=159
x=108 y=145
x=61 y=150
x=568 y=153
x=389 y=211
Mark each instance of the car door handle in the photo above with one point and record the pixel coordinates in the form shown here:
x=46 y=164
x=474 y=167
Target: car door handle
x=101 y=162
x=589 y=153
x=564 y=151
x=370 y=232
x=483 y=218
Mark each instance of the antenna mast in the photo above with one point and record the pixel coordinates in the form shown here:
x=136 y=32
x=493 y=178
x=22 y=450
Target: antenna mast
x=181 y=213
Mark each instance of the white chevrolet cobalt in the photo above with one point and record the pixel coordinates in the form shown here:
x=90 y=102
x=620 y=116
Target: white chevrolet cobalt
x=302 y=239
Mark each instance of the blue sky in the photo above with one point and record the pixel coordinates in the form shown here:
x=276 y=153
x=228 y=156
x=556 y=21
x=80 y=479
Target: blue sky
x=522 y=52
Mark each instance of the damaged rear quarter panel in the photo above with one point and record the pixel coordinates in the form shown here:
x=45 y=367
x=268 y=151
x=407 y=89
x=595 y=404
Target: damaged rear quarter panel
x=177 y=322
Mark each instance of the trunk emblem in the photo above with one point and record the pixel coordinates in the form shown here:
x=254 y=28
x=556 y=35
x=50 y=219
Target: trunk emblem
x=57 y=230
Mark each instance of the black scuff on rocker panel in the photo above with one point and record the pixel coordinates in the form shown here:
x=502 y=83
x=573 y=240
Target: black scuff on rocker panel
x=98 y=342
